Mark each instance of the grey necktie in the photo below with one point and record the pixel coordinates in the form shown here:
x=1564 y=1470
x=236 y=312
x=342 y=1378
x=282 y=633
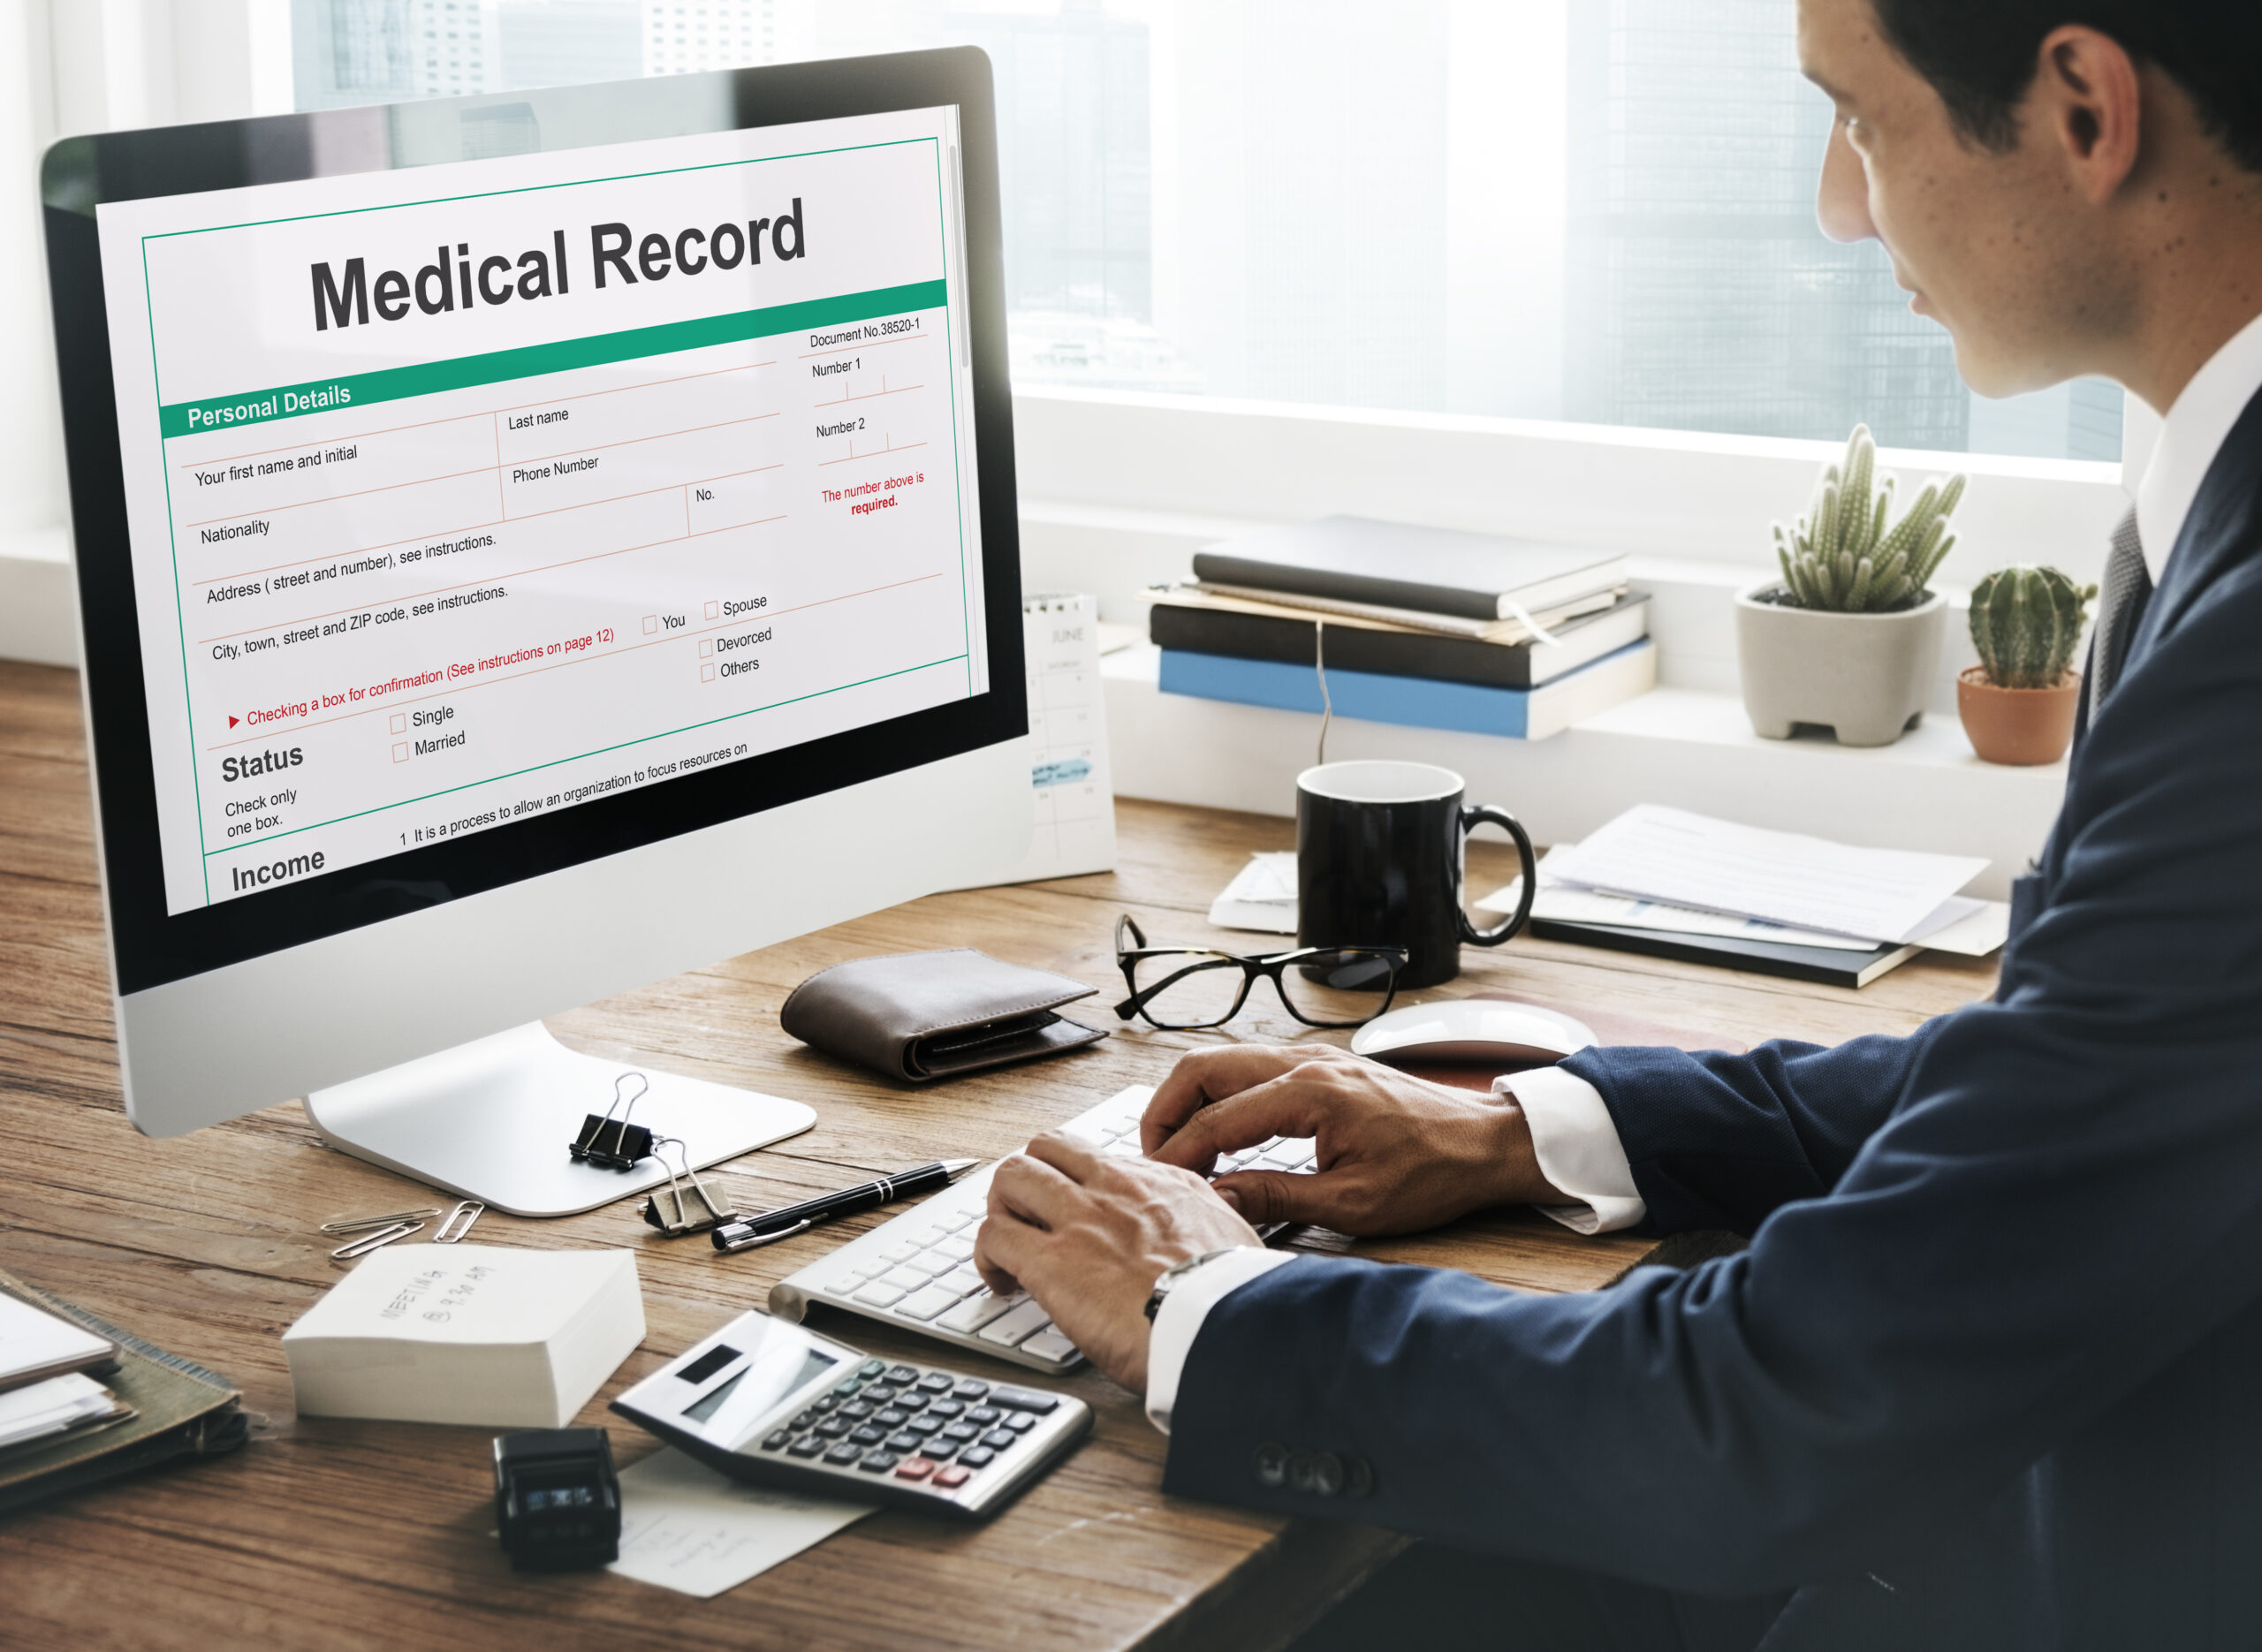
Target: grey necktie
x=2127 y=588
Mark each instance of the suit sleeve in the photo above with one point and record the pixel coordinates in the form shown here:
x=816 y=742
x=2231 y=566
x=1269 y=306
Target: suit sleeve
x=2065 y=1198
x=1716 y=1140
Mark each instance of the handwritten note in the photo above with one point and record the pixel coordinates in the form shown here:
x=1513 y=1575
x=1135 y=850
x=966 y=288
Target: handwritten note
x=689 y=1528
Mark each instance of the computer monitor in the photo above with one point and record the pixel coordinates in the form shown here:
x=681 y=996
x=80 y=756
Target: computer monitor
x=528 y=547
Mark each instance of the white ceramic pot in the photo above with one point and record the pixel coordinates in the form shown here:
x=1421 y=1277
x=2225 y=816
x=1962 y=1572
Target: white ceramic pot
x=1866 y=676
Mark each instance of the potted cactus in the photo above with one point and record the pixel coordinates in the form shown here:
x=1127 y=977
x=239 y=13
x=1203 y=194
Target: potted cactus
x=2017 y=703
x=1849 y=636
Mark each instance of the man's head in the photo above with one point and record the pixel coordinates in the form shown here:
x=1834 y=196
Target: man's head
x=2051 y=177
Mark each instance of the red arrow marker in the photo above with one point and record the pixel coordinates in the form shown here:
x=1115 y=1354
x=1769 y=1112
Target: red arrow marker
x=234 y=721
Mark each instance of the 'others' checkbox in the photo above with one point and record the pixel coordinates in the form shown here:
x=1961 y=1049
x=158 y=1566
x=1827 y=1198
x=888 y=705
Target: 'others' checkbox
x=706 y=673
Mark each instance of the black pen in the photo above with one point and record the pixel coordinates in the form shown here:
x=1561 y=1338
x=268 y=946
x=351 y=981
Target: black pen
x=773 y=1226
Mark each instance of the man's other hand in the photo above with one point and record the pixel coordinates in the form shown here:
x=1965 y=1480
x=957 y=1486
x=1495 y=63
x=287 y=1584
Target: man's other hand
x=1088 y=1236
x=1396 y=1153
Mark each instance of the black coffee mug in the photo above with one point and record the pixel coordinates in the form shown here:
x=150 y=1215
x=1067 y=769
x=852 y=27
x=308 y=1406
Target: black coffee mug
x=1379 y=853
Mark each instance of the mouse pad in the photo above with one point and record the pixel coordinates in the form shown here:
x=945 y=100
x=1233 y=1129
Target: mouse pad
x=1609 y=1026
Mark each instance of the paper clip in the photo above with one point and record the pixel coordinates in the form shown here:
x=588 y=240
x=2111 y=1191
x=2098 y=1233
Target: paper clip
x=671 y=1210
x=459 y=1222
x=363 y=1247
x=615 y=1145
x=363 y=1225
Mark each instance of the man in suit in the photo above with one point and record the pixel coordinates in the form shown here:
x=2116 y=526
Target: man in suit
x=1987 y=1374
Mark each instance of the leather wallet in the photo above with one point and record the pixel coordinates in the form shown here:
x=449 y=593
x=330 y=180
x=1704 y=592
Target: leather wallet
x=935 y=1015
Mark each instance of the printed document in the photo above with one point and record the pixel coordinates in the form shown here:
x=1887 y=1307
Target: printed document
x=687 y=1527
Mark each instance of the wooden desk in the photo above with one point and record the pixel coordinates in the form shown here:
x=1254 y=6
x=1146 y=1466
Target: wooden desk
x=331 y=1534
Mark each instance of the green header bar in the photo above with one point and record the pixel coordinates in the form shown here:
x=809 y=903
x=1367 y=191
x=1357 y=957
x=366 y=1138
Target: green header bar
x=292 y=401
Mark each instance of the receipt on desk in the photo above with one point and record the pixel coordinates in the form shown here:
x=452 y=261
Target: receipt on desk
x=686 y=1527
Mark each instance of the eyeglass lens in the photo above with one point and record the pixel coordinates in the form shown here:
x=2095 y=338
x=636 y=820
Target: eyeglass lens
x=1341 y=987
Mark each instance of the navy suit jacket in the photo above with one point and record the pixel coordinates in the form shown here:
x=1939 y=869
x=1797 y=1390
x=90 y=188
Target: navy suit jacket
x=1989 y=1372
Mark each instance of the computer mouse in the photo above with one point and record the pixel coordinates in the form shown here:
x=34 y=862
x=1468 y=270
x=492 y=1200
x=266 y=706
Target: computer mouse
x=1500 y=1035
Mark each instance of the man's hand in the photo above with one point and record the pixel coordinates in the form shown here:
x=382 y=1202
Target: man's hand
x=1396 y=1153
x=1088 y=1236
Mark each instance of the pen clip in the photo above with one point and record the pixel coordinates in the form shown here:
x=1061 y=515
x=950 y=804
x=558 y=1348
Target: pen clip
x=753 y=1241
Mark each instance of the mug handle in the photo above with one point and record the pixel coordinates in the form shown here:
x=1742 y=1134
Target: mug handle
x=1471 y=817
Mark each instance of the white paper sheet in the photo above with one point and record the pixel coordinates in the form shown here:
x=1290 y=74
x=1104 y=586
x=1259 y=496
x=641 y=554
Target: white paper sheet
x=1262 y=897
x=686 y=1527
x=1665 y=854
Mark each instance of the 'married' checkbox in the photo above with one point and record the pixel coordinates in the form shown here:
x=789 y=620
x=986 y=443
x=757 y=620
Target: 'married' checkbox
x=400 y=752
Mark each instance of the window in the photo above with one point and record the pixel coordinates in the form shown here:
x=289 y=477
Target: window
x=1592 y=210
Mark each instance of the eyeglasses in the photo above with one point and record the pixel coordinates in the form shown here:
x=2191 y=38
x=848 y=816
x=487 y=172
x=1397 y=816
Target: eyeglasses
x=1182 y=986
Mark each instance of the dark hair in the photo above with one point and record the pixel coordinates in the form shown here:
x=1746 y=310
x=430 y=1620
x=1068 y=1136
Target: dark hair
x=1981 y=55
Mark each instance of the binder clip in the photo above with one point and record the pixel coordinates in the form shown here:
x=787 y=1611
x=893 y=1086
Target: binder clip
x=687 y=1205
x=615 y=1144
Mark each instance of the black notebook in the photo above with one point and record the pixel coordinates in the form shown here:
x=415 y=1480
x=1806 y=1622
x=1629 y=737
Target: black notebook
x=1439 y=570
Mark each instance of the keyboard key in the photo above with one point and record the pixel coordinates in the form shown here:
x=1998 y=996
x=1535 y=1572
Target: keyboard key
x=944 y=1408
x=917 y=1468
x=1126 y=1148
x=962 y=1280
x=934 y=1263
x=903 y=1375
x=951 y=1479
x=842 y=1456
x=879 y=1295
x=1020 y=1422
x=956 y=1248
x=878 y=1462
x=984 y=1414
x=958 y=1220
x=977 y=1456
x=1034 y=1399
x=1023 y=1322
x=925 y=1305
x=902 y=1441
x=973 y=1314
x=845 y=1284
x=903 y=1250
x=970 y=1390
x=933 y=1383
x=1050 y=1344
x=998 y=1439
x=904 y=1278
x=809 y=1445
x=778 y=1441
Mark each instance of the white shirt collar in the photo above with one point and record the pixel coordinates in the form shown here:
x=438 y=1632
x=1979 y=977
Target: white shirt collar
x=2193 y=434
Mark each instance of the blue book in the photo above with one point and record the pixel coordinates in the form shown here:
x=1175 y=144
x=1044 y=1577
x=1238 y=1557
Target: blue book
x=1420 y=702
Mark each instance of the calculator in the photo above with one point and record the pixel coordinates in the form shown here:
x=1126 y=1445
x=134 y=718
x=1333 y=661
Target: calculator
x=771 y=1403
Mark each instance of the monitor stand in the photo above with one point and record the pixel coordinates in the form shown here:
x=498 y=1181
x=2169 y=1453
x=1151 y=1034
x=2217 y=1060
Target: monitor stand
x=492 y=1120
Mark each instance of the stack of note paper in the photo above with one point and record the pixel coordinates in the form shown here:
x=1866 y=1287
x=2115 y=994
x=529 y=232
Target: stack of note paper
x=1261 y=895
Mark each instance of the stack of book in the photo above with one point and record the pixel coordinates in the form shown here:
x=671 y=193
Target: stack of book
x=1421 y=626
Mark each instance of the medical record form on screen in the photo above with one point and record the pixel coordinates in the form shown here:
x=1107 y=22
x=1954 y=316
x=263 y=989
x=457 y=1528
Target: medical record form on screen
x=470 y=492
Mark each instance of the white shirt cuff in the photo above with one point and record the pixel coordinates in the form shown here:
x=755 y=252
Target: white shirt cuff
x=1577 y=1148
x=1179 y=1320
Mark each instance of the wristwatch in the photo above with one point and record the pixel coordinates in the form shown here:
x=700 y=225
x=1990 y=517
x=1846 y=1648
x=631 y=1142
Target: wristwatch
x=1171 y=1276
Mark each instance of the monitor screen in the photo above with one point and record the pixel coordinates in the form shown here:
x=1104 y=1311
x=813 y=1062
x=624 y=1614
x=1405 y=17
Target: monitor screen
x=481 y=518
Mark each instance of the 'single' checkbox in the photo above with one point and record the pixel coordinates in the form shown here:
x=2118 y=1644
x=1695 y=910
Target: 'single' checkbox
x=400 y=723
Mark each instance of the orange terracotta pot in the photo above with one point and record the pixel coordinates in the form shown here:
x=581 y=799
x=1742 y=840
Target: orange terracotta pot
x=2021 y=726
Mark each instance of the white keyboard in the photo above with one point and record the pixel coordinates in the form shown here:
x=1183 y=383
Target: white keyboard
x=916 y=1271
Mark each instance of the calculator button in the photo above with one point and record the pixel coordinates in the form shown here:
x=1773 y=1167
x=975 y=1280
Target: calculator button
x=961 y=1432
x=1051 y=1345
x=808 y=1445
x=878 y=1462
x=935 y=1382
x=869 y=1435
x=913 y=1401
x=944 y=1408
x=778 y=1441
x=871 y=1369
x=1034 y=1399
x=904 y=1442
x=858 y=1409
x=977 y=1456
x=950 y=1479
x=984 y=1414
x=1020 y=1422
x=939 y=1448
x=843 y=1455
x=969 y=1390
x=879 y=1394
x=848 y=1390
x=903 y=1375
x=917 y=1468
x=923 y=1425
x=893 y=1417
x=825 y=1402
x=998 y=1439
x=805 y=1419
x=832 y=1427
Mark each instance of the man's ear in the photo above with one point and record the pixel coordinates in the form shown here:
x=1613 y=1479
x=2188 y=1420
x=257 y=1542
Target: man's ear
x=2088 y=99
